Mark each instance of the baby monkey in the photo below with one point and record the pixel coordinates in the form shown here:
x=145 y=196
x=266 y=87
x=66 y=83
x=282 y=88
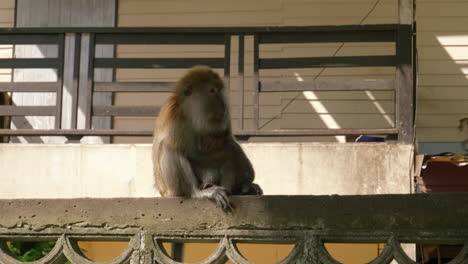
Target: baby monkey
x=194 y=152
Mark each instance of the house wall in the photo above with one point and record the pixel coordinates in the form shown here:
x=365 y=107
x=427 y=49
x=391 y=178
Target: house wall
x=7 y=14
x=61 y=13
x=442 y=45
x=443 y=71
x=278 y=110
x=443 y=54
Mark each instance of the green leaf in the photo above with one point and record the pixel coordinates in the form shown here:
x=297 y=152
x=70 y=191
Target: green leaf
x=30 y=251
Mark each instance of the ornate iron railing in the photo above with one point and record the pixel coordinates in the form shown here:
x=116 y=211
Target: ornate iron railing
x=306 y=221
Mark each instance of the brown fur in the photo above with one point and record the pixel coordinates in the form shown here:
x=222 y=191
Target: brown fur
x=194 y=152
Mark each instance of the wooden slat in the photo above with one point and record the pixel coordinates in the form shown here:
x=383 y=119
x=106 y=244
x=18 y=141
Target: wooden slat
x=12 y=110
x=173 y=63
x=256 y=83
x=129 y=38
x=315 y=62
x=240 y=133
x=134 y=86
x=29 y=87
x=191 y=30
x=29 y=39
x=327 y=37
x=60 y=71
x=327 y=85
x=104 y=110
x=29 y=63
x=227 y=61
x=76 y=77
x=90 y=81
x=315 y=132
x=73 y=132
x=406 y=12
x=240 y=77
x=404 y=77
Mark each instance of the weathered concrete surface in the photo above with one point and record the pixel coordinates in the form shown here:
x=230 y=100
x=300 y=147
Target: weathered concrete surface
x=405 y=215
x=71 y=171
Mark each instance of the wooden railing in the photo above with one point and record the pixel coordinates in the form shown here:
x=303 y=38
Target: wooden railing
x=85 y=40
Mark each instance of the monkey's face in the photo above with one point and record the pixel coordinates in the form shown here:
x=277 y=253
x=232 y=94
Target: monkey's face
x=206 y=107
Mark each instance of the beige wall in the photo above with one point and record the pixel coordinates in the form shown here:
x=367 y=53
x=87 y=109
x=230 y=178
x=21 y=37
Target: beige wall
x=75 y=170
x=443 y=73
x=7 y=14
x=443 y=56
x=308 y=110
x=7 y=11
x=442 y=44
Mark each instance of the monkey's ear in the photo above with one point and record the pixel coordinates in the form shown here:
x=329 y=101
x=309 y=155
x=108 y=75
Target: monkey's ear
x=188 y=90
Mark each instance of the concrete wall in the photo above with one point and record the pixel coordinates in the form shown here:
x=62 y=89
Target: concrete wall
x=69 y=171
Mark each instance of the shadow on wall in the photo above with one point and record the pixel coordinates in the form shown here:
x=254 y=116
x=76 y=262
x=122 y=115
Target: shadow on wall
x=443 y=87
x=443 y=75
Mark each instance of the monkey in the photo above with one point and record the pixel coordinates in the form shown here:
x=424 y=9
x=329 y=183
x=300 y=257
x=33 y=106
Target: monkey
x=194 y=151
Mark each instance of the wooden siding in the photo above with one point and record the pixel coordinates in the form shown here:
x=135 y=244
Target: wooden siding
x=7 y=16
x=7 y=13
x=443 y=60
x=308 y=110
x=60 y=13
x=443 y=72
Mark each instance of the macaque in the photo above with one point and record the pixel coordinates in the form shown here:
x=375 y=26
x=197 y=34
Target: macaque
x=194 y=152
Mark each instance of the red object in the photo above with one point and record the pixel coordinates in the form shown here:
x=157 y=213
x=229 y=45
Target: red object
x=445 y=177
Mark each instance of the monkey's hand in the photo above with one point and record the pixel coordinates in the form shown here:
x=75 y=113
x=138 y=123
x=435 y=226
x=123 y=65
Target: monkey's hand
x=251 y=189
x=218 y=194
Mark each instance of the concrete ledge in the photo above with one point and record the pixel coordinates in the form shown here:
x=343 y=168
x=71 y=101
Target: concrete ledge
x=102 y=171
x=423 y=215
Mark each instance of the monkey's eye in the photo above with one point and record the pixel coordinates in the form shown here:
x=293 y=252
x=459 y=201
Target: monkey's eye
x=188 y=90
x=213 y=90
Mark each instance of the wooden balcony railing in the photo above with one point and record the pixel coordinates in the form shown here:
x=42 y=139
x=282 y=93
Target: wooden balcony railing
x=403 y=85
